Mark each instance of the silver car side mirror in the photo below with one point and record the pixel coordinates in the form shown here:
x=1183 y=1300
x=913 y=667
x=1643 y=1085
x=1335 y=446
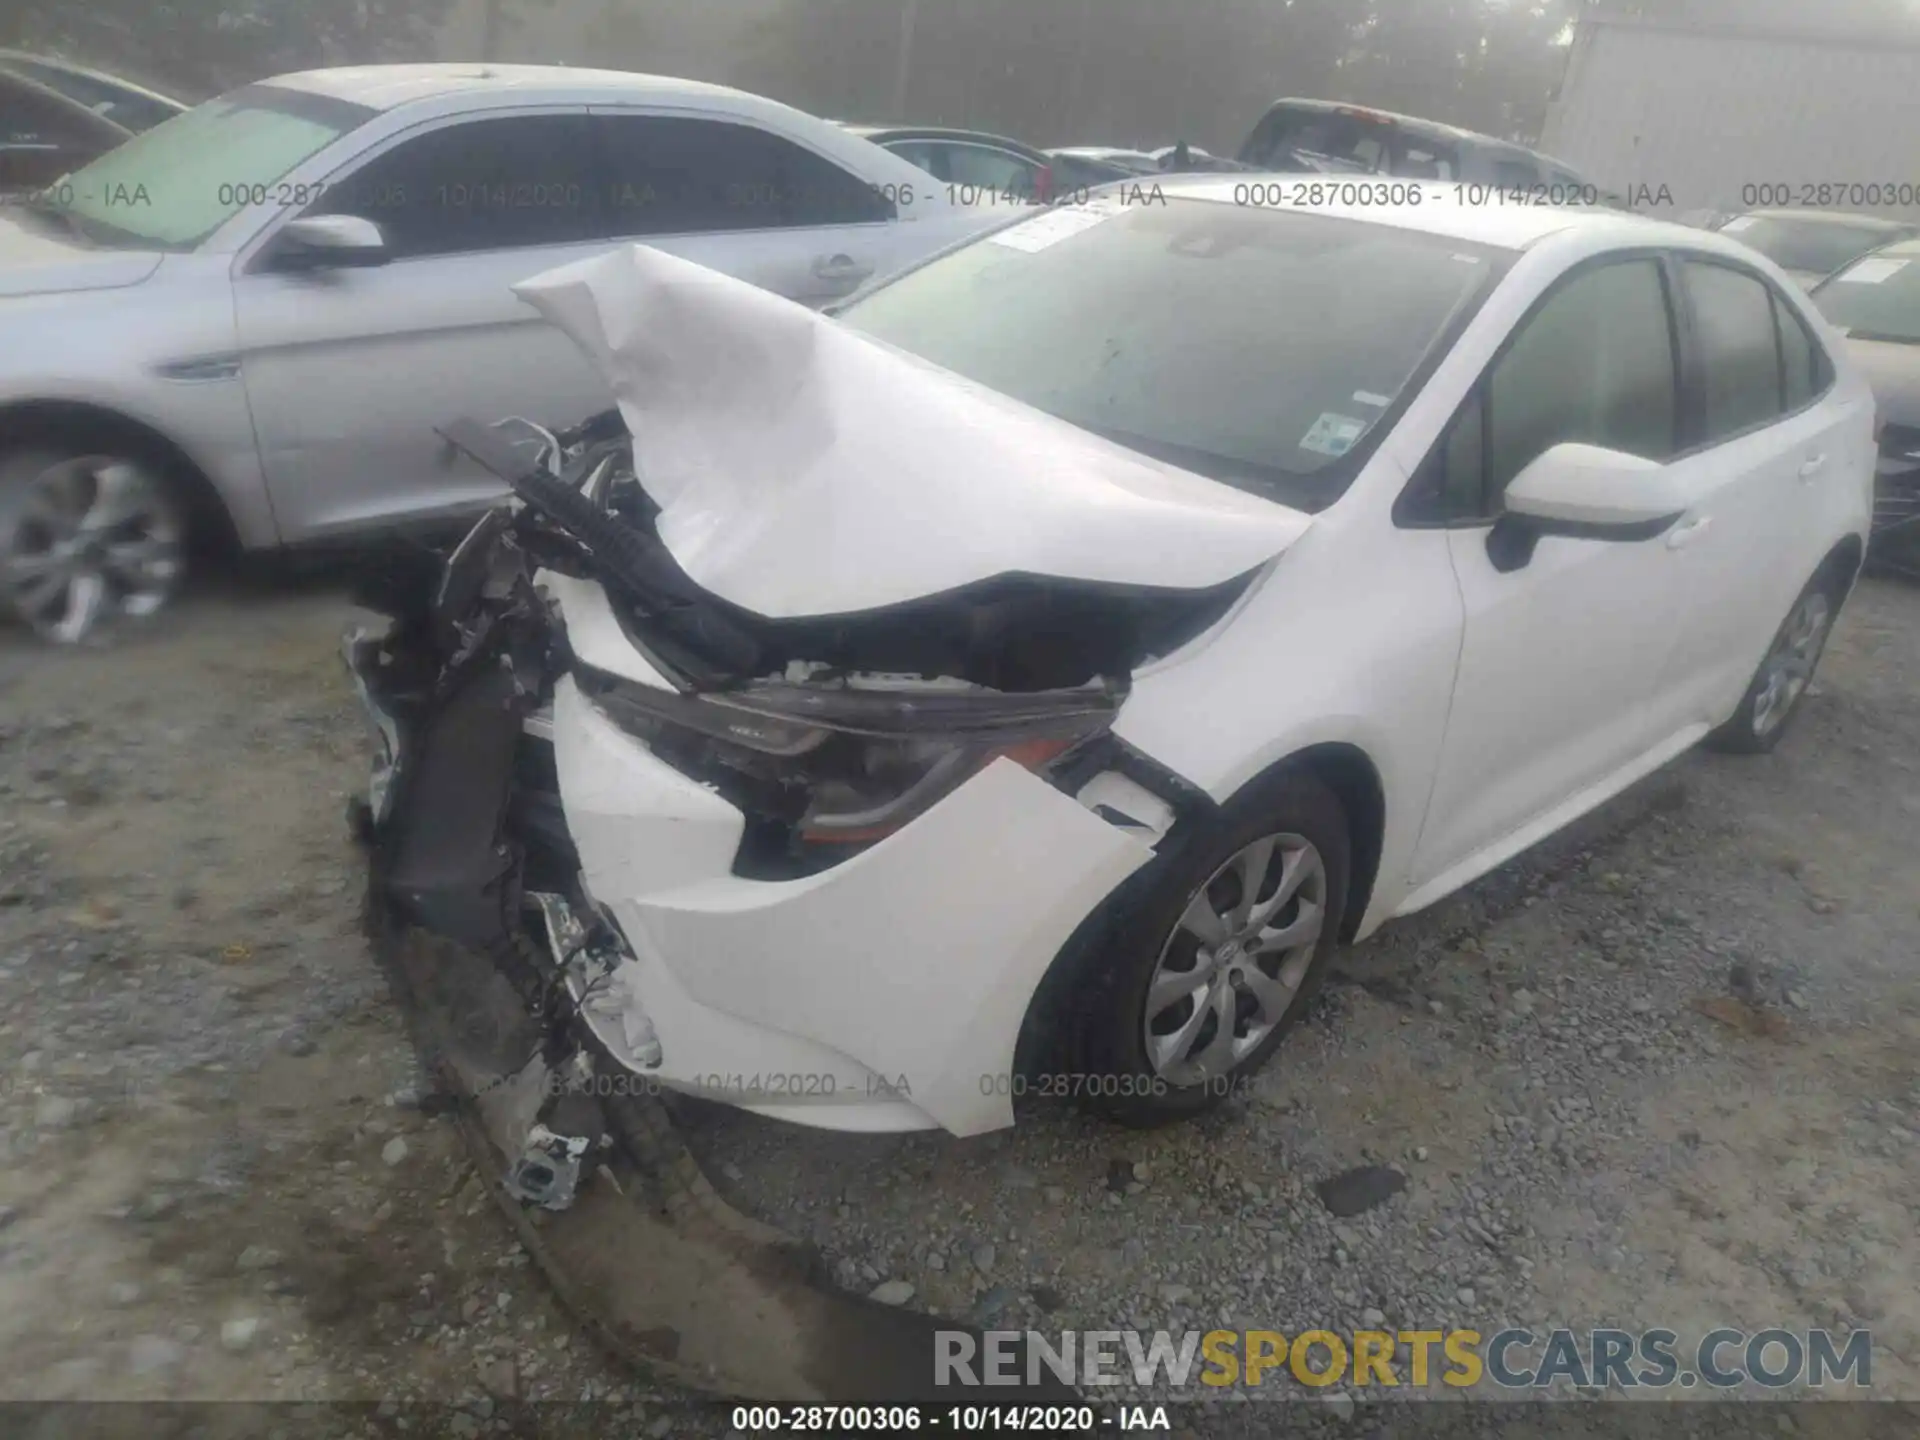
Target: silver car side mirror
x=329 y=242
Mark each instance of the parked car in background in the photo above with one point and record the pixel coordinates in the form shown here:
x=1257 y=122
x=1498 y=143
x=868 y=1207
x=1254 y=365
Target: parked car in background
x=1875 y=303
x=1354 y=551
x=1194 y=159
x=1704 y=219
x=244 y=323
x=1100 y=164
x=43 y=135
x=132 y=107
x=1812 y=244
x=1326 y=137
x=969 y=160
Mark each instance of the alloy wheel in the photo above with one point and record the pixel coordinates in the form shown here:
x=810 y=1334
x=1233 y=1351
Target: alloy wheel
x=1231 y=970
x=1789 y=665
x=87 y=539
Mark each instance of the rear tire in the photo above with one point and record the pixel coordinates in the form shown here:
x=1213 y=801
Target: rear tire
x=1781 y=681
x=1193 y=988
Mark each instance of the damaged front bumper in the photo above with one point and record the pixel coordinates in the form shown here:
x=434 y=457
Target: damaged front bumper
x=886 y=993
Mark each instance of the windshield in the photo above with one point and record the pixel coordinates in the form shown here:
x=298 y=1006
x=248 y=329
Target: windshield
x=1877 y=298
x=1818 y=247
x=172 y=186
x=1259 y=347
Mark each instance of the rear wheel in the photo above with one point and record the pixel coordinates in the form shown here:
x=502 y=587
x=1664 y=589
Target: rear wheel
x=1784 y=675
x=1204 y=972
x=86 y=537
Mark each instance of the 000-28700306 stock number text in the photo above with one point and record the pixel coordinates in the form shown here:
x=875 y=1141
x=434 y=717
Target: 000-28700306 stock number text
x=1839 y=194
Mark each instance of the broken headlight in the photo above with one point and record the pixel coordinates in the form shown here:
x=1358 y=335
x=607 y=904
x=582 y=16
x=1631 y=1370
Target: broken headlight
x=850 y=764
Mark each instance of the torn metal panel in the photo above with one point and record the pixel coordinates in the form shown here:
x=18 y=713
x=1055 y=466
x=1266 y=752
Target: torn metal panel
x=805 y=470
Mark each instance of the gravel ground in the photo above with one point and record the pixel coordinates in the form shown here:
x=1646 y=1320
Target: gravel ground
x=1661 y=1071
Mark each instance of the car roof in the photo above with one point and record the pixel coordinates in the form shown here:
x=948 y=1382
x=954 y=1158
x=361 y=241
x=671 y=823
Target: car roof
x=1832 y=217
x=386 y=87
x=1442 y=212
x=106 y=77
x=1418 y=125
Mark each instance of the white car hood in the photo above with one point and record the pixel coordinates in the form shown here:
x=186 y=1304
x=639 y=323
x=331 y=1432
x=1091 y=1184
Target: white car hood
x=33 y=262
x=804 y=469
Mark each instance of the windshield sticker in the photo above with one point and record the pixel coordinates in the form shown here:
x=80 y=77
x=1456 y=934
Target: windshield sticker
x=1333 y=434
x=1367 y=397
x=1736 y=225
x=1871 y=272
x=1041 y=231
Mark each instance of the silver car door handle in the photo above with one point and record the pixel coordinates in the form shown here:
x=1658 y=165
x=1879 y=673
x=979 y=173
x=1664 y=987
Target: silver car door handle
x=840 y=267
x=1684 y=535
x=1813 y=467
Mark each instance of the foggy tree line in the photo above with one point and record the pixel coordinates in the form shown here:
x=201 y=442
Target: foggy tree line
x=1055 y=72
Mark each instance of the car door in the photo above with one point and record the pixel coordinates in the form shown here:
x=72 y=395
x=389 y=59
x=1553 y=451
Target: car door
x=1763 y=449
x=1559 y=655
x=744 y=201
x=348 y=371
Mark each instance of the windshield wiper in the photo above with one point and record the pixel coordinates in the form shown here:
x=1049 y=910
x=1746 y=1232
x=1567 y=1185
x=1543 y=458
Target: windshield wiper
x=1883 y=338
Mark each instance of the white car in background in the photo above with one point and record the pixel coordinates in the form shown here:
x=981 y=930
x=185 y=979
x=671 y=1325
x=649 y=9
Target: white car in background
x=244 y=324
x=1001 y=663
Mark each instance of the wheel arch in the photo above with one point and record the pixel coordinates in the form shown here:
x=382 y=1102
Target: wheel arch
x=210 y=523
x=1349 y=772
x=1844 y=563
x=1346 y=769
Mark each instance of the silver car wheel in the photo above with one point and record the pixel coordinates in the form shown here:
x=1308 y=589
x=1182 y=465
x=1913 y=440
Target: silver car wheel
x=1231 y=969
x=1788 y=667
x=86 y=539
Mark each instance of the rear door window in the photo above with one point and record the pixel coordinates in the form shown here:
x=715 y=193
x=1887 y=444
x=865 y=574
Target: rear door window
x=1420 y=159
x=1740 y=355
x=999 y=171
x=1804 y=368
x=1514 y=172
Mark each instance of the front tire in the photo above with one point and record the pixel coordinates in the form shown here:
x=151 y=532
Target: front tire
x=1774 y=694
x=86 y=537
x=1212 y=959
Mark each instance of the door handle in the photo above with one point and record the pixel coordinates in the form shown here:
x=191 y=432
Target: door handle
x=1685 y=535
x=1813 y=466
x=840 y=267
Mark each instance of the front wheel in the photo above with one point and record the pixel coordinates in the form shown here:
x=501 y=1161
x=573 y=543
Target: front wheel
x=86 y=537
x=1213 y=961
x=1784 y=675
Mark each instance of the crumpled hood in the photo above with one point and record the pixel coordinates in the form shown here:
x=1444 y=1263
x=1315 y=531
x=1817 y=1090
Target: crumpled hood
x=36 y=262
x=804 y=469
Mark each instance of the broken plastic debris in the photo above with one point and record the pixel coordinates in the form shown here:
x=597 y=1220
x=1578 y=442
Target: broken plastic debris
x=547 y=1173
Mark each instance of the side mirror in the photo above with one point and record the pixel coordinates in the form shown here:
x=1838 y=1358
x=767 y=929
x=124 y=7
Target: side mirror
x=1584 y=492
x=329 y=242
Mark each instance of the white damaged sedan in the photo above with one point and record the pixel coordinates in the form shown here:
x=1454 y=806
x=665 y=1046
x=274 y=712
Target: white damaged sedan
x=1026 y=677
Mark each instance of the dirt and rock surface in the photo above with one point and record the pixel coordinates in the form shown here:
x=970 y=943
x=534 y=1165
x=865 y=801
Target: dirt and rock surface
x=1663 y=1071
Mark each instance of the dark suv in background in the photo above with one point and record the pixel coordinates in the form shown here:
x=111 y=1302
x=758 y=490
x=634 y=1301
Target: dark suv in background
x=1324 y=137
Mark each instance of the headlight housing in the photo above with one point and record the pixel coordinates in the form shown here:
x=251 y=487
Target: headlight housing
x=849 y=763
